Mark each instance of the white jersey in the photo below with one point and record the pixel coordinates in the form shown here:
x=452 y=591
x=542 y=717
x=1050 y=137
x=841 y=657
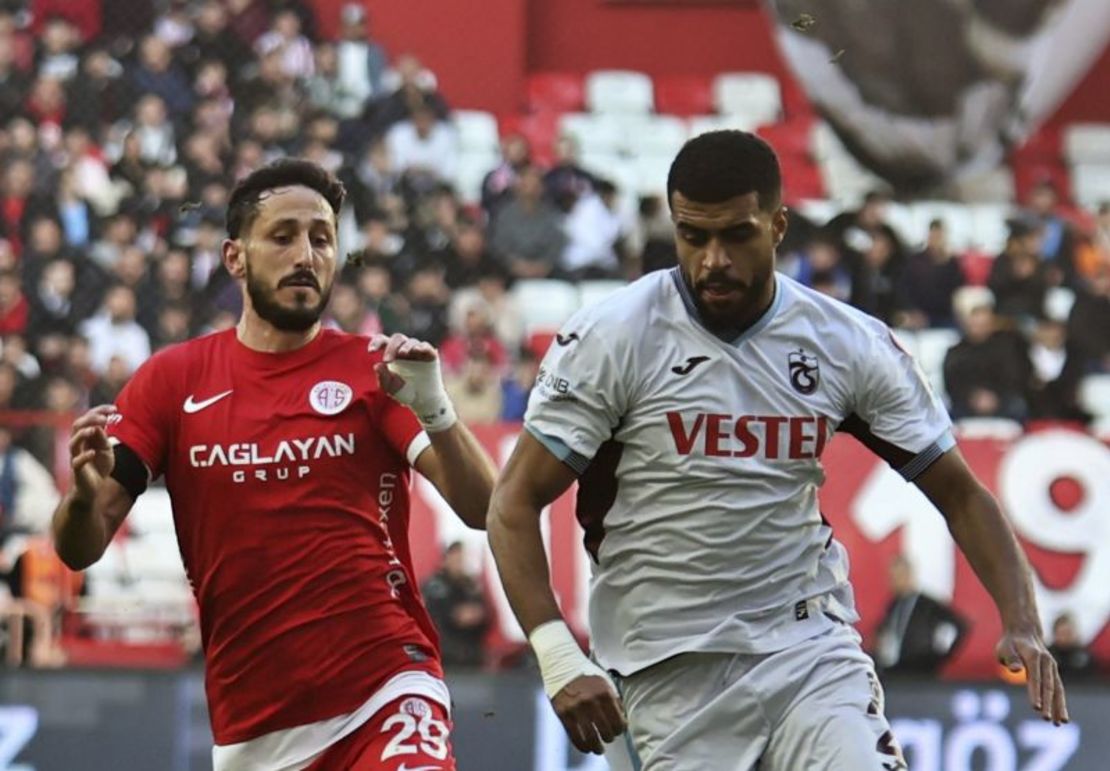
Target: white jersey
x=699 y=462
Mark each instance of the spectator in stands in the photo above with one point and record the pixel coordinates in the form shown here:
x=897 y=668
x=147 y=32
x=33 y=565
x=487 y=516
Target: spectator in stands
x=157 y=75
x=10 y=388
x=55 y=307
x=28 y=494
x=20 y=202
x=918 y=633
x=174 y=325
x=497 y=186
x=927 y=283
x=1072 y=657
x=213 y=41
x=111 y=381
x=284 y=37
x=98 y=96
x=416 y=87
x=428 y=298
x=248 y=19
x=175 y=26
x=593 y=232
x=653 y=236
x=375 y=285
x=14 y=308
x=1089 y=320
x=362 y=62
x=1019 y=277
x=877 y=275
x=1057 y=241
x=566 y=180
x=114 y=332
x=820 y=265
x=46 y=106
x=1056 y=369
x=14 y=82
x=475 y=389
x=120 y=231
x=13 y=349
x=517 y=385
x=347 y=312
x=527 y=233
x=466 y=258
x=473 y=338
x=987 y=372
x=423 y=147
x=491 y=289
x=155 y=132
x=459 y=609
x=56 y=57
x=857 y=229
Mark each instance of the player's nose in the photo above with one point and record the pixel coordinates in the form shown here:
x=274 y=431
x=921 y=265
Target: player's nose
x=716 y=257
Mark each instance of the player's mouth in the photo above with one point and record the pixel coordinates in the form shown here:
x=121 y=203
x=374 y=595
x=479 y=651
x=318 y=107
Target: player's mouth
x=303 y=280
x=718 y=292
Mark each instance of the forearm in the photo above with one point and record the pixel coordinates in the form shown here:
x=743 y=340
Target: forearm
x=992 y=549
x=468 y=473
x=517 y=545
x=80 y=536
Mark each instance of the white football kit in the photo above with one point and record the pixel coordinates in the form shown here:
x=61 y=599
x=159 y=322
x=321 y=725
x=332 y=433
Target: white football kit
x=699 y=464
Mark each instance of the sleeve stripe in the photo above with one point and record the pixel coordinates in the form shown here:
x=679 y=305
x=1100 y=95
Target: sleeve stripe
x=927 y=457
x=419 y=444
x=557 y=447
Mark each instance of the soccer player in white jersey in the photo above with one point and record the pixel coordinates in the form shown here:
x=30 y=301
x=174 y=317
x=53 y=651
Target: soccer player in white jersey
x=692 y=408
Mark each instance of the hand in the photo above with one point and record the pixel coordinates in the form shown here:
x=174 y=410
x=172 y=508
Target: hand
x=409 y=372
x=398 y=347
x=591 y=712
x=90 y=452
x=1026 y=650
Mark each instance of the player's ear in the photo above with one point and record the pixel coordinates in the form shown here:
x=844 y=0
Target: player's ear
x=235 y=257
x=779 y=222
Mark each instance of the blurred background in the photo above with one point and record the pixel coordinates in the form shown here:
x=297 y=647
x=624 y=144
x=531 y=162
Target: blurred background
x=947 y=166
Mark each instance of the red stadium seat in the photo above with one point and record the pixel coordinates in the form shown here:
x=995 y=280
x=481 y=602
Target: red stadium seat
x=555 y=92
x=541 y=130
x=683 y=95
x=791 y=137
x=539 y=342
x=1029 y=174
x=795 y=102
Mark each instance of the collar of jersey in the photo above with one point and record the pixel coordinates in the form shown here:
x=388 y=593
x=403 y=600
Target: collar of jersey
x=732 y=338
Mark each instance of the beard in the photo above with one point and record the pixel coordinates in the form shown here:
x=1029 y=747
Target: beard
x=729 y=318
x=298 y=318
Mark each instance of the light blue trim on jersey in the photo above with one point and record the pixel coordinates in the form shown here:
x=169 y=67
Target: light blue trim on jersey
x=928 y=456
x=557 y=447
x=747 y=334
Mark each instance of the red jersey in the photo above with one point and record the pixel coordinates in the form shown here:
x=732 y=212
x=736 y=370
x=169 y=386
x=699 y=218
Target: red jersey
x=289 y=477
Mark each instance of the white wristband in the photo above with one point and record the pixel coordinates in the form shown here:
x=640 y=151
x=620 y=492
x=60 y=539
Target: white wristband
x=560 y=658
x=424 y=394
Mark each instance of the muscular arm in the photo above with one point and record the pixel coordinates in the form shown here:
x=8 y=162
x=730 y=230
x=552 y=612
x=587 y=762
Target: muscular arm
x=461 y=470
x=988 y=542
x=531 y=480
x=91 y=512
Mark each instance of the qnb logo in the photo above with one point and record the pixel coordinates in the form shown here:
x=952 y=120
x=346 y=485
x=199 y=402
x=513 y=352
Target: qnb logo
x=775 y=437
x=289 y=459
x=985 y=735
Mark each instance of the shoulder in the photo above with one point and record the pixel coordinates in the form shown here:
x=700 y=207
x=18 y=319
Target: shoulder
x=631 y=304
x=836 y=322
x=176 y=358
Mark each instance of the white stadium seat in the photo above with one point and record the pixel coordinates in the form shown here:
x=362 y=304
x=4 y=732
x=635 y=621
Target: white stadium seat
x=470 y=170
x=592 y=132
x=599 y=162
x=1087 y=143
x=1091 y=183
x=989 y=229
x=755 y=96
x=956 y=218
x=651 y=174
x=1058 y=302
x=544 y=303
x=1094 y=395
x=932 y=347
x=653 y=134
x=477 y=130
x=153 y=556
x=152 y=513
x=703 y=124
x=619 y=91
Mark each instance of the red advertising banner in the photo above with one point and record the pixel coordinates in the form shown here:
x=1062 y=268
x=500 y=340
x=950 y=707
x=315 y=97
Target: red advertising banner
x=1053 y=484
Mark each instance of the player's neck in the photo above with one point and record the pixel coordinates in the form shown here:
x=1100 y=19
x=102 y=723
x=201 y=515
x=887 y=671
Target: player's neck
x=260 y=335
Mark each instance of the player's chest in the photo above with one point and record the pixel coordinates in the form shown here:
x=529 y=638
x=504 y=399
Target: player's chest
x=247 y=428
x=770 y=402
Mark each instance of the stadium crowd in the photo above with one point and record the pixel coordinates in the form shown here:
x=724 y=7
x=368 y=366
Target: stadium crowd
x=121 y=135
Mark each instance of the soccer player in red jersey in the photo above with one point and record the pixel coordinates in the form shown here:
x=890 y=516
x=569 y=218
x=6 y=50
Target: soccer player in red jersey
x=287 y=451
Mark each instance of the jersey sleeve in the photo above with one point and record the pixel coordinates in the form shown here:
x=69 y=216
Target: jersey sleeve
x=579 y=397
x=145 y=411
x=402 y=430
x=897 y=414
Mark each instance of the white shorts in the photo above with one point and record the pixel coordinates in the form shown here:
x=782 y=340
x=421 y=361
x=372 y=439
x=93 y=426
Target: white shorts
x=816 y=706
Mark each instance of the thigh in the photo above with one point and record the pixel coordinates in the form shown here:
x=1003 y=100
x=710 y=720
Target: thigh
x=833 y=719
x=410 y=734
x=691 y=713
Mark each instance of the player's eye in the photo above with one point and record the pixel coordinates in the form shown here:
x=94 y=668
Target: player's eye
x=322 y=241
x=282 y=238
x=694 y=237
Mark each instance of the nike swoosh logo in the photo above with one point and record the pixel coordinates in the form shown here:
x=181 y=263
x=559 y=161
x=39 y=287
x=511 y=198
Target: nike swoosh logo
x=687 y=368
x=563 y=341
x=403 y=767
x=191 y=406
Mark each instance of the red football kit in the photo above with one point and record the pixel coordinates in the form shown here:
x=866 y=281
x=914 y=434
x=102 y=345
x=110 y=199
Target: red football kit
x=289 y=477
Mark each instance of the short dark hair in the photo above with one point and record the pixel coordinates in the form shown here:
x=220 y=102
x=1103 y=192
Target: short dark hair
x=719 y=165
x=242 y=207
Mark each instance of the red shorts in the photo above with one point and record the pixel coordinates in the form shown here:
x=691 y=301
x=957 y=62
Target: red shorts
x=410 y=733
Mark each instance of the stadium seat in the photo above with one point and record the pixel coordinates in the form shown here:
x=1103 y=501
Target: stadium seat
x=589 y=292
x=596 y=133
x=651 y=174
x=470 y=171
x=652 y=134
x=1091 y=183
x=988 y=226
x=701 y=124
x=555 y=92
x=932 y=347
x=153 y=556
x=540 y=129
x=619 y=92
x=599 y=162
x=683 y=95
x=818 y=210
x=1087 y=143
x=477 y=130
x=1094 y=395
x=793 y=137
x=152 y=513
x=754 y=96
x=1002 y=429
x=544 y=303
x=538 y=343
x=956 y=218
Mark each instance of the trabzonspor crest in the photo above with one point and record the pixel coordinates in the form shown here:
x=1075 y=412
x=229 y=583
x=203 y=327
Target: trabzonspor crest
x=804 y=373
